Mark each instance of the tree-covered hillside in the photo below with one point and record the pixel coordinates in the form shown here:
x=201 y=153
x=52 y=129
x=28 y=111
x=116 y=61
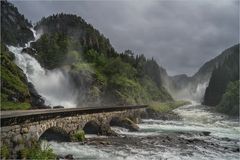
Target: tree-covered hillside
x=177 y=85
x=96 y=70
x=95 y=67
x=14 y=31
x=221 y=77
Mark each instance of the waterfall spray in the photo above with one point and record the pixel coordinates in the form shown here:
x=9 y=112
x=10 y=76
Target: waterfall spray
x=53 y=85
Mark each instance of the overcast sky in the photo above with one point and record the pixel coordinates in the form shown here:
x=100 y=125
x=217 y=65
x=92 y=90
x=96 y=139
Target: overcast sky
x=181 y=35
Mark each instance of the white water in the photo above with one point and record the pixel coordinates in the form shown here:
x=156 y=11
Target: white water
x=189 y=94
x=53 y=85
x=195 y=118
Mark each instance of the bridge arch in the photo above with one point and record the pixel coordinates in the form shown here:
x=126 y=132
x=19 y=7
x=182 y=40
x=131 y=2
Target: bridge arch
x=114 y=121
x=92 y=127
x=55 y=134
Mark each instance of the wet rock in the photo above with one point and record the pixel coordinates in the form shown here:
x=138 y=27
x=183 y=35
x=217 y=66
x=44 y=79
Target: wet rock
x=41 y=107
x=36 y=99
x=235 y=150
x=57 y=107
x=59 y=157
x=30 y=51
x=125 y=123
x=206 y=133
x=106 y=130
x=69 y=156
x=152 y=114
x=16 y=97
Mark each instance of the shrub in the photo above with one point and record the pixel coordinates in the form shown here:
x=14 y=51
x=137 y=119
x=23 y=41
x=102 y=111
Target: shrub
x=79 y=135
x=4 y=152
x=38 y=152
x=229 y=103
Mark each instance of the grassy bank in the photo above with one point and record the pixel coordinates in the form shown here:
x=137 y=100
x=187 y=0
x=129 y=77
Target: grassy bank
x=167 y=106
x=7 y=105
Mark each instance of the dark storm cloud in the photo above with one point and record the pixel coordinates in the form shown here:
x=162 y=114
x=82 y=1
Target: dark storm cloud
x=180 y=35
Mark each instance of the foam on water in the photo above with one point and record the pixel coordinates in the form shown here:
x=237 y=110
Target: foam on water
x=219 y=128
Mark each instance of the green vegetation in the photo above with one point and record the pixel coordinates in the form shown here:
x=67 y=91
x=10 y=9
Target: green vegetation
x=167 y=106
x=99 y=73
x=223 y=75
x=37 y=152
x=230 y=100
x=54 y=52
x=95 y=67
x=14 y=105
x=4 y=152
x=14 y=90
x=79 y=136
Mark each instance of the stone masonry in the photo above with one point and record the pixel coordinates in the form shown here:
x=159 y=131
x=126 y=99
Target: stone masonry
x=17 y=136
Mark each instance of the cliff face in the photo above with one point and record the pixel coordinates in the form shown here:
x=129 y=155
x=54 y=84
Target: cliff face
x=14 y=27
x=222 y=75
x=182 y=84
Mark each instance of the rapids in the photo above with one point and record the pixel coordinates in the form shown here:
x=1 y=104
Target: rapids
x=221 y=142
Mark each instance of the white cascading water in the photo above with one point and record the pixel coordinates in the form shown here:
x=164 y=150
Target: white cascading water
x=53 y=85
x=200 y=91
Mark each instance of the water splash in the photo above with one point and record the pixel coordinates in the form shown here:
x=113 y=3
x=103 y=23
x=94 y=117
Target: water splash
x=53 y=85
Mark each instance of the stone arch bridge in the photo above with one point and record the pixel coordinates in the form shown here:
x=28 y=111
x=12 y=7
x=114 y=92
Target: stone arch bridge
x=21 y=128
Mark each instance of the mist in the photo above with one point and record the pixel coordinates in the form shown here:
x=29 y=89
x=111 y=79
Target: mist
x=55 y=86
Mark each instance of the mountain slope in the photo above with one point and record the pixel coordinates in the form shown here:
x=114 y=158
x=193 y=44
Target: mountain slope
x=221 y=76
x=15 y=31
x=182 y=85
x=14 y=88
x=206 y=70
x=14 y=27
x=98 y=72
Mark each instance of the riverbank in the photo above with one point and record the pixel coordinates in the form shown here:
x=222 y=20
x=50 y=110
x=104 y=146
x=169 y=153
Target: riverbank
x=200 y=135
x=163 y=110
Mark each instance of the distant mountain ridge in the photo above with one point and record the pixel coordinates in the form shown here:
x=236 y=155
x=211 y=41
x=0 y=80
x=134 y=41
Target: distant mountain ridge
x=181 y=83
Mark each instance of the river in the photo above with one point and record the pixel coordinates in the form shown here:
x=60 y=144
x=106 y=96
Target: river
x=171 y=140
x=157 y=139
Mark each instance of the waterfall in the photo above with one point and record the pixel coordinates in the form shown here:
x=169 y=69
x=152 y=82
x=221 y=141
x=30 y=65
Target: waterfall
x=200 y=91
x=53 y=85
x=192 y=92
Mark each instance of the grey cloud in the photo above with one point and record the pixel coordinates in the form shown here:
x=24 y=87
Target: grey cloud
x=180 y=35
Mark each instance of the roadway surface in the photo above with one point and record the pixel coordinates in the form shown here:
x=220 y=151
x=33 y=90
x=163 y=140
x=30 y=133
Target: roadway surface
x=7 y=116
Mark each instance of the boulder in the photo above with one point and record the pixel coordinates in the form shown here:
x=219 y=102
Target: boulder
x=125 y=123
x=57 y=107
x=30 y=51
x=69 y=156
x=106 y=130
x=206 y=133
x=36 y=99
